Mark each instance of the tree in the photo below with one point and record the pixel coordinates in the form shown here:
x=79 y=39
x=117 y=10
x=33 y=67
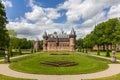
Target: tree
x=116 y=34
x=79 y=44
x=105 y=34
x=4 y=38
x=12 y=35
x=109 y=33
x=87 y=42
x=97 y=36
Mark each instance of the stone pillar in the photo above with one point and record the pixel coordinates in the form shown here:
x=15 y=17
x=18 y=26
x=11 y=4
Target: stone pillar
x=113 y=59
x=45 y=37
x=7 y=58
x=36 y=46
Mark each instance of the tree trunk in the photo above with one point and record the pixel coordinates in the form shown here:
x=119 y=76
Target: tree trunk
x=107 y=51
x=80 y=49
x=7 y=58
x=98 y=51
x=83 y=50
x=86 y=51
x=10 y=51
x=20 y=51
x=115 y=47
x=103 y=47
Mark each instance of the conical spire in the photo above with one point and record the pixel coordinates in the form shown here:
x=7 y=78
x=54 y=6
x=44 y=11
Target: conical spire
x=45 y=33
x=72 y=31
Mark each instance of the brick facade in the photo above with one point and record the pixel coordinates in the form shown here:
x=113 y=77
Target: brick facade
x=59 y=42
x=36 y=46
x=104 y=47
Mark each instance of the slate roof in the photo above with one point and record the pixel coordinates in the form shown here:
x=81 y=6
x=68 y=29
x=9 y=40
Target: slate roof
x=58 y=37
x=62 y=36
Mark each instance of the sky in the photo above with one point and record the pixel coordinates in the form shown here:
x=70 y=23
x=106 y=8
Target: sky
x=31 y=18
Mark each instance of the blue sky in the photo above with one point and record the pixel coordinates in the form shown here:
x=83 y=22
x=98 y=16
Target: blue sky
x=22 y=6
x=30 y=18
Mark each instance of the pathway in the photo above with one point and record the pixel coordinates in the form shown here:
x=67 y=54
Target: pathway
x=16 y=57
x=112 y=70
x=107 y=58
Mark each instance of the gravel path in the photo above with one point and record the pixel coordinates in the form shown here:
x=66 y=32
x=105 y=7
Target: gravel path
x=112 y=70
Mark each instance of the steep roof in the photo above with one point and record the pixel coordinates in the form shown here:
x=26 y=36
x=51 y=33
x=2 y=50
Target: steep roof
x=62 y=36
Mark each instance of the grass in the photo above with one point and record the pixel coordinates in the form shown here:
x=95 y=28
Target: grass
x=86 y=64
x=114 y=77
x=15 y=53
x=103 y=53
x=2 y=57
x=3 y=77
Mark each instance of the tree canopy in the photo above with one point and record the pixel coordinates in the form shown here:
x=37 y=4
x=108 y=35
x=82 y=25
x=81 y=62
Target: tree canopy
x=4 y=38
x=105 y=33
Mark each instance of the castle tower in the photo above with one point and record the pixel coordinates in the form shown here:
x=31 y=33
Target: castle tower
x=45 y=41
x=72 y=38
x=36 y=46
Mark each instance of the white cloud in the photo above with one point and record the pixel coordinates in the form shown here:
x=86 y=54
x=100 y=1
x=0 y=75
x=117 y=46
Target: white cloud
x=7 y=3
x=40 y=19
x=85 y=8
x=36 y=14
x=52 y=13
x=114 y=11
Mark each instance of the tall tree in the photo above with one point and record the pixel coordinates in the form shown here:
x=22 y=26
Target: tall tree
x=98 y=36
x=116 y=34
x=87 y=42
x=12 y=33
x=109 y=30
x=4 y=38
x=79 y=44
x=105 y=34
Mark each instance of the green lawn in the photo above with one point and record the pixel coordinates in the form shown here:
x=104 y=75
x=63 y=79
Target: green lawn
x=16 y=53
x=24 y=51
x=114 y=77
x=1 y=57
x=3 y=77
x=103 y=53
x=32 y=64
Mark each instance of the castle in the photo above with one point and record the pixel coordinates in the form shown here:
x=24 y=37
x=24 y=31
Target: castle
x=59 y=42
x=36 y=46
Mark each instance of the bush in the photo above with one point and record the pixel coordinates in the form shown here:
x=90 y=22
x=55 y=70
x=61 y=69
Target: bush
x=20 y=51
x=32 y=50
x=107 y=53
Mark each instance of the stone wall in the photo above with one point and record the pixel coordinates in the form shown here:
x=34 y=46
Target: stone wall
x=59 y=42
x=61 y=46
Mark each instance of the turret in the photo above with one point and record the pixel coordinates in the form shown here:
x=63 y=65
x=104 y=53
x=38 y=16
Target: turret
x=45 y=35
x=36 y=45
x=72 y=32
x=45 y=41
x=72 y=38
